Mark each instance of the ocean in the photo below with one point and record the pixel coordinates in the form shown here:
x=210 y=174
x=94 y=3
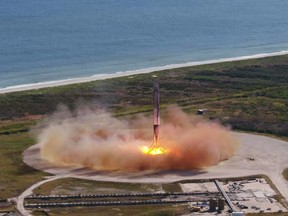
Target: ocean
x=45 y=41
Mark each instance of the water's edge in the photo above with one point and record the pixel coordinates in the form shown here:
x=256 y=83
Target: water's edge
x=40 y=85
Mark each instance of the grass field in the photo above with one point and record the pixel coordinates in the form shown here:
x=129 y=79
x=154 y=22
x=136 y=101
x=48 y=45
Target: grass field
x=285 y=174
x=72 y=186
x=155 y=210
x=15 y=176
x=250 y=95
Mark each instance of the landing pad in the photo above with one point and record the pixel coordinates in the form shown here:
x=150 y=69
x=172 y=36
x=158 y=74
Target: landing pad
x=256 y=155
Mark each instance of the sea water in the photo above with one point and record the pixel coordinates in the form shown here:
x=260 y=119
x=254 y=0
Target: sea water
x=45 y=41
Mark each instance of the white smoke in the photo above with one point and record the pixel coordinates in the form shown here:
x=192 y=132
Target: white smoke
x=97 y=140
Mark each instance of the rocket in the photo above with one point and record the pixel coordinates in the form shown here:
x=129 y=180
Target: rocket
x=156 y=114
x=155 y=148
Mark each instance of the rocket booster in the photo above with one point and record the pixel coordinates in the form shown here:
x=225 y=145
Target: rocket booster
x=155 y=148
x=156 y=113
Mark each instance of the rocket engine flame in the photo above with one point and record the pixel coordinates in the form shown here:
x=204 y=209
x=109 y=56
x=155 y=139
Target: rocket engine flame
x=153 y=150
x=97 y=140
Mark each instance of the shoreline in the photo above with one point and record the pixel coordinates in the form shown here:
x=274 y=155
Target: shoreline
x=64 y=82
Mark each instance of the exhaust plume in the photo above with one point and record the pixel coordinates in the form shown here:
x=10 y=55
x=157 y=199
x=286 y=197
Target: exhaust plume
x=97 y=140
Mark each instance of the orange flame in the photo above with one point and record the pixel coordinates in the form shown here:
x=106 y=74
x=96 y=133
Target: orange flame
x=153 y=150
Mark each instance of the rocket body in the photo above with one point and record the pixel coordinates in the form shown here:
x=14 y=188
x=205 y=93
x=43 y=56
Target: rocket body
x=155 y=148
x=156 y=113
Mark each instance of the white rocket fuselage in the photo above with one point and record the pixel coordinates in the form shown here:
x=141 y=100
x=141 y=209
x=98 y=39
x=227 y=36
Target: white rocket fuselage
x=156 y=113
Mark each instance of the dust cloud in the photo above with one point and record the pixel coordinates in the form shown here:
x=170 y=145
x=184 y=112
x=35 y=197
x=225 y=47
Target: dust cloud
x=97 y=140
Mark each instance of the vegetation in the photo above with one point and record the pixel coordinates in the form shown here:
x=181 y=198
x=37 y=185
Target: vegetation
x=285 y=174
x=249 y=95
x=157 y=210
x=15 y=174
x=7 y=208
x=75 y=186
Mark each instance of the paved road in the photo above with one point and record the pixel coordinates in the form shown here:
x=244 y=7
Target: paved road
x=29 y=191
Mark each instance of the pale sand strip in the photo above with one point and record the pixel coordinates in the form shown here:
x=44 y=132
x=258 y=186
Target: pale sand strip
x=131 y=72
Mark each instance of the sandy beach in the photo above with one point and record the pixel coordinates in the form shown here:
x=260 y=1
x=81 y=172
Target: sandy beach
x=131 y=72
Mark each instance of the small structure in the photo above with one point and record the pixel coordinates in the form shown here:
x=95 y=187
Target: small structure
x=220 y=204
x=237 y=214
x=200 y=111
x=212 y=205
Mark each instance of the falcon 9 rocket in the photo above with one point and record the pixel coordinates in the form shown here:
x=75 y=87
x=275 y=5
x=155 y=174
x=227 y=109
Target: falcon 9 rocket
x=156 y=115
x=155 y=148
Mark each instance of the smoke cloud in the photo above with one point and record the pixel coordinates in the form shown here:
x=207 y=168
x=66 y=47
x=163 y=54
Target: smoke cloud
x=97 y=140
